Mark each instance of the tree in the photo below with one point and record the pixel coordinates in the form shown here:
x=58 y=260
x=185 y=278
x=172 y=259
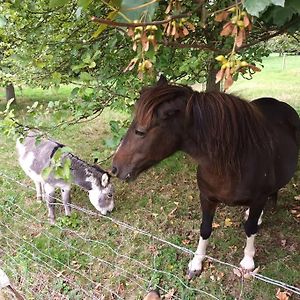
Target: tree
x=10 y=92
x=52 y=42
x=285 y=44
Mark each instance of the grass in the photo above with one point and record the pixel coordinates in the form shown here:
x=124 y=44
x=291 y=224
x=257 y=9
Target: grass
x=277 y=80
x=47 y=262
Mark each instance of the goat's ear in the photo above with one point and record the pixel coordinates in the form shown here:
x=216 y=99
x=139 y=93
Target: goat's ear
x=162 y=80
x=104 y=180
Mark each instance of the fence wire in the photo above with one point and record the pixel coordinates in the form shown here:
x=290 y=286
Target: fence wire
x=135 y=278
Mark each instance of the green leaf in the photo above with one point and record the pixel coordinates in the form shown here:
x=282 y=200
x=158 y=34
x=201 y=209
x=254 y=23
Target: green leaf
x=2 y=21
x=92 y=65
x=282 y=15
x=59 y=173
x=134 y=9
x=75 y=91
x=84 y=3
x=56 y=77
x=255 y=7
x=294 y=4
x=85 y=76
x=278 y=2
x=67 y=169
x=57 y=3
x=46 y=172
x=111 y=16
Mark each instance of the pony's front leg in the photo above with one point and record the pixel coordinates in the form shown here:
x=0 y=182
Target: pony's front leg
x=208 y=211
x=251 y=228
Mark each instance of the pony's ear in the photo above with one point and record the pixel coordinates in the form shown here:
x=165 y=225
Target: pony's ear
x=162 y=80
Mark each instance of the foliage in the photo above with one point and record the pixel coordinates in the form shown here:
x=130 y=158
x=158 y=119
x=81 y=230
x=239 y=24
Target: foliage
x=52 y=43
x=284 y=44
x=71 y=221
x=60 y=165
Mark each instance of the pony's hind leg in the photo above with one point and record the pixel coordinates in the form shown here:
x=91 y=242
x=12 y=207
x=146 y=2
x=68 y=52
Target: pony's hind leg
x=208 y=211
x=273 y=199
x=251 y=228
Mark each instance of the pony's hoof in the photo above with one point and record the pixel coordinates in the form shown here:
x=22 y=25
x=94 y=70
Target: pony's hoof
x=193 y=273
x=247 y=264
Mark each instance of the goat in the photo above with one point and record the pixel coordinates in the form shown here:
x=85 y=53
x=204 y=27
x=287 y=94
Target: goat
x=35 y=156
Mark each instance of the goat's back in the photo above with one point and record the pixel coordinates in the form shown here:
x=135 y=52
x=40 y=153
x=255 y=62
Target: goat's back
x=35 y=154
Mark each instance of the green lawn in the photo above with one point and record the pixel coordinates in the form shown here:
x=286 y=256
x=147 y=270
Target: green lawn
x=274 y=81
x=88 y=254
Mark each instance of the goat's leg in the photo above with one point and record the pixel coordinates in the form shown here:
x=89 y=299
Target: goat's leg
x=43 y=191
x=65 y=194
x=251 y=228
x=208 y=211
x=39 y=192
x=49 y=193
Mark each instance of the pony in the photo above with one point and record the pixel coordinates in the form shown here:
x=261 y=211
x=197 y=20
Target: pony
x=35 y=154
x=245 y=151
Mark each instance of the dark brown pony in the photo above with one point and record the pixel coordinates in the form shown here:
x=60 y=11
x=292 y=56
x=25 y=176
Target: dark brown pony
x=245 y=151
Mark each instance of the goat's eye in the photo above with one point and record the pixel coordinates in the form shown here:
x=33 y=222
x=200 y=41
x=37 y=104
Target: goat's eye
x=139 y=132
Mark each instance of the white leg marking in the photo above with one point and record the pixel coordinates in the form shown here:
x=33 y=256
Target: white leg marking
x=260 y=217
x=196 y=263
x=247 y=262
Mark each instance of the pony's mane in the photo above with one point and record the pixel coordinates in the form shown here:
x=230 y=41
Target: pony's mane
x=152 y=97
x=224 y=127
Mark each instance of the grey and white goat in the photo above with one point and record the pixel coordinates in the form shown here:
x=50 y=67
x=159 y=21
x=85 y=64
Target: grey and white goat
x=35 y=156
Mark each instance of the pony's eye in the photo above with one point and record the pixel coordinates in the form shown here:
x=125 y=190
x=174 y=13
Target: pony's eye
x=139 y=132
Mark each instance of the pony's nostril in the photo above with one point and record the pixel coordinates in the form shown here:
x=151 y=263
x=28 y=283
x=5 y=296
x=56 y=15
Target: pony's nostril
x=109 y=195
x=114 y=170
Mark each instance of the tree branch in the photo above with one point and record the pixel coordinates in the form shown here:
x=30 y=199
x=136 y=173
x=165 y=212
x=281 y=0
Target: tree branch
x=193 y=45
x=125 y=24
x=269 y=36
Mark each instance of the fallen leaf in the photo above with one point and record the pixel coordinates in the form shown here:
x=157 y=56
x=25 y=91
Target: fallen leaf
x=283 y=243
x=186 y=242
x=121 y=288
x=227 y=222
x=170 y=294
x=215 y=225
x=282 y=295
x=237 y=272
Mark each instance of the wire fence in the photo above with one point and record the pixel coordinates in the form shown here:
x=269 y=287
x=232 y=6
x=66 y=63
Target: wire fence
x=105 y=271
